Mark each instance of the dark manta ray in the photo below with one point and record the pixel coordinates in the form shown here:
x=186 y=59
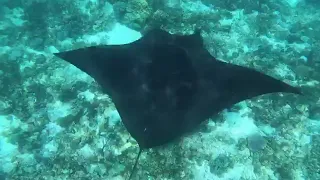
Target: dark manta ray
x=164 y=85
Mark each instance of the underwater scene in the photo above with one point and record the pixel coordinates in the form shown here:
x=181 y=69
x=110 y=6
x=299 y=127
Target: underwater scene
x=159 y=90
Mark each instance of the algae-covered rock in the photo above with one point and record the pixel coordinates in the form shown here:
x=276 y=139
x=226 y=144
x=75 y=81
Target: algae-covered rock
x=221 y=164
x=312 y=160
x=137 y=13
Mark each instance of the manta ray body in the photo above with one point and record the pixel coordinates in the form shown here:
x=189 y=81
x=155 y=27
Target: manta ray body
x=164 y=85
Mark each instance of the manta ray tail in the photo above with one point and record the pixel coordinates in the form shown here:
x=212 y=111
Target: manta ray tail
x=135 y=165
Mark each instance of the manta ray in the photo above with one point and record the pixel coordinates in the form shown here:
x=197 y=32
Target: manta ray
x=165 y=85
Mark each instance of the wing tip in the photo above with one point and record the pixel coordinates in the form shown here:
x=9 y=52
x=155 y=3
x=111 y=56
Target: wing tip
x=59 y=55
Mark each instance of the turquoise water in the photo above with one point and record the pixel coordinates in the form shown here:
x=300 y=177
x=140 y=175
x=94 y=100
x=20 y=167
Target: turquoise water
x=56 y=123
